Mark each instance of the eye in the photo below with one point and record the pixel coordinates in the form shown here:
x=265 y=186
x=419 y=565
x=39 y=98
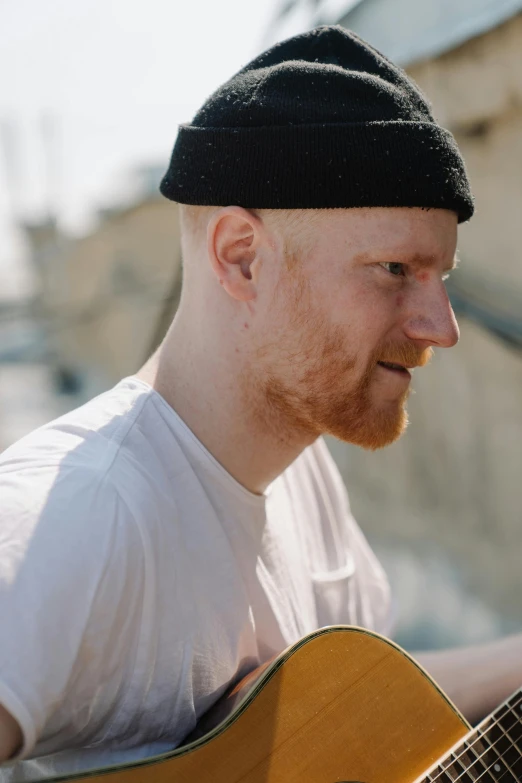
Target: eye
x=395 y=268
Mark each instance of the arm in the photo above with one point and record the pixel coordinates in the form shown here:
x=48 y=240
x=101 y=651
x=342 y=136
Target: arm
x=477 y=679
x=10 y=735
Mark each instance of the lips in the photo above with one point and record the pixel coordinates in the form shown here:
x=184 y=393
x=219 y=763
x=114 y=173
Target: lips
x=392 y=366
x=399 y=368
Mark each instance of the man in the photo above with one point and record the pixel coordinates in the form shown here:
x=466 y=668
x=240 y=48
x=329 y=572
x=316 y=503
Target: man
x=187 y=525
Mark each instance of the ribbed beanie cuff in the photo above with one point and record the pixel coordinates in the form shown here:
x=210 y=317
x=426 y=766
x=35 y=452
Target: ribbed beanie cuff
x=240 y=152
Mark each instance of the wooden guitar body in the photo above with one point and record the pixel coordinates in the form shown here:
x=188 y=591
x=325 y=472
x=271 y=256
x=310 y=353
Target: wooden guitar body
x=343 y=704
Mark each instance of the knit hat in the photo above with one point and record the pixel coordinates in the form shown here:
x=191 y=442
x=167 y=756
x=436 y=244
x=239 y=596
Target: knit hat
x=319 y=120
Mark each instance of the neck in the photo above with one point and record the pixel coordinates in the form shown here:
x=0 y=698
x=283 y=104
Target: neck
x=209 y=389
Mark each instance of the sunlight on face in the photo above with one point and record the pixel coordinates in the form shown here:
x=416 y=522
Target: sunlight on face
x=365 y=303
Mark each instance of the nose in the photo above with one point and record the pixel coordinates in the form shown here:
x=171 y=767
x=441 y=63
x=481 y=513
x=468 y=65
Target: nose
x=431 y=318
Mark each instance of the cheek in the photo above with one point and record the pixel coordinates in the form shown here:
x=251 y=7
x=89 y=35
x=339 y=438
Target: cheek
x=399 y=300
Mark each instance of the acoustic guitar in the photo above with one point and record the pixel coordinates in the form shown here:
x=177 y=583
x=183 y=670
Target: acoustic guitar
x=341 y=705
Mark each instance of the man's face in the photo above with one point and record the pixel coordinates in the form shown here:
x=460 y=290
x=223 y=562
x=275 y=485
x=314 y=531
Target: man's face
x=348 y=317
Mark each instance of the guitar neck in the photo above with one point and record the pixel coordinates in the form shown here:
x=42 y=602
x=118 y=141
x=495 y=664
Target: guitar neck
x=492 y=752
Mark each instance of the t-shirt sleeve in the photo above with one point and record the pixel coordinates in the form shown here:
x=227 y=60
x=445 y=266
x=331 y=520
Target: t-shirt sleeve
x=65 y=537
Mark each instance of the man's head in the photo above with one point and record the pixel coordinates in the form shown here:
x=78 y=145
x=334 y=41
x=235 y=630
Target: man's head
x=329 y=268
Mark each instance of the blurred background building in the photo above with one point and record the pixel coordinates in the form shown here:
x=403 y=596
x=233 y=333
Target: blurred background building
x=101 y=305
x=443 y=505
x=105 y=299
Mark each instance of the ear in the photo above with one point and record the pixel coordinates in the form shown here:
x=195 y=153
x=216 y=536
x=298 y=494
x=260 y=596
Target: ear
x=234 y=237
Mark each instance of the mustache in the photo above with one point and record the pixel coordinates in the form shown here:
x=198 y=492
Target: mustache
x=407 y=354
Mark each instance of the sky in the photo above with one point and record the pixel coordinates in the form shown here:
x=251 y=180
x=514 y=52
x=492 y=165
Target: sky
x=91 y=88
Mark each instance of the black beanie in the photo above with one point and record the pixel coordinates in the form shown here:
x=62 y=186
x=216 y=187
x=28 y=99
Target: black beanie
x=319 y=120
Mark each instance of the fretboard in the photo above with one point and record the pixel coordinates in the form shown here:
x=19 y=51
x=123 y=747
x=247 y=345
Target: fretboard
x=492 y=753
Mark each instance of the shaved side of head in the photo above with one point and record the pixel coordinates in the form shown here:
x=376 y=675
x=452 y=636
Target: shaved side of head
x=295 y=227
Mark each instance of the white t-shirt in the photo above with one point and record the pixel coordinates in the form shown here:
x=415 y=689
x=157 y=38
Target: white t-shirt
x=138 y=578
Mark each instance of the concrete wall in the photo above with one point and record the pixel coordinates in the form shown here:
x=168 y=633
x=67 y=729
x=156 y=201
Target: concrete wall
x=476 y=92
x=115 y=286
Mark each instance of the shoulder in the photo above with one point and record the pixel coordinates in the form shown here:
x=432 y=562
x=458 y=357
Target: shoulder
x=88 y=435
x=74 y=453
x=57 y=483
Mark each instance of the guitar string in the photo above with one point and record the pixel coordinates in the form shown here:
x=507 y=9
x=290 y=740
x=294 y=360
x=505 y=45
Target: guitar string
x=482 y=734
x=492 y=745
x=491 y=766
x=487 y=769
x=484 y=772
